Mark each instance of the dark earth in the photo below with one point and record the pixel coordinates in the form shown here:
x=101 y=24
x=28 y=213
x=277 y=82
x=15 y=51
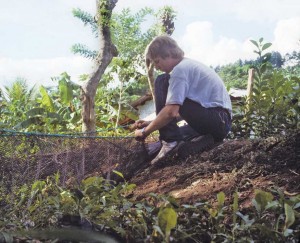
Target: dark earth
x=241 y=164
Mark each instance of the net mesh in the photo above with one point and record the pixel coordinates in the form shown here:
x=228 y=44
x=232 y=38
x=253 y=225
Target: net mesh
x=25 y=157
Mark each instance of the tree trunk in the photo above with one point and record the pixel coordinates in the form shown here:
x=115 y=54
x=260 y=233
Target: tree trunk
x=107 y=51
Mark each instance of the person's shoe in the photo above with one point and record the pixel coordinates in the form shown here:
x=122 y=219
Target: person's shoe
x=196 y=145
x=166 y=149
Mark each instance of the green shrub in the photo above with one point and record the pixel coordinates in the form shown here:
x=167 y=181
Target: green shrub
x=104 y=206
x=273 y=106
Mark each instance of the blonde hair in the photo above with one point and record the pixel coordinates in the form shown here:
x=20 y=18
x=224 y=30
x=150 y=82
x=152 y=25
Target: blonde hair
x=162 y=46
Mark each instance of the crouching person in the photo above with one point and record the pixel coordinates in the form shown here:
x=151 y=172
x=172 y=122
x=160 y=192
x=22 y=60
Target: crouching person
x=188 y=89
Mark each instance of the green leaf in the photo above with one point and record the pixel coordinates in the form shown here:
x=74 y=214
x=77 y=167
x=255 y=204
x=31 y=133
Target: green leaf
x=56 y=177
x=90 y=181
x=167 y=219
x=263 y=67
x=28 y=122
x=263 y=198
x=156 y=228
x=6 y=237
x=272 y=204
x=255 y=43
x=38 y=185
x=54 y=115
x=75 y=117
x=130 y=187
x=246 y=219
x=289 y=216
x=288 y=232
x=35 y=112
x=265 y=46
x=118 y=173
x=297 y=205
x=221 y=199
x=235 y=206
x=46 y=99
x=213 y=212
x=66 y=91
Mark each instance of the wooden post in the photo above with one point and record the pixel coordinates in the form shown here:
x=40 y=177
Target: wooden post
x=250 y=81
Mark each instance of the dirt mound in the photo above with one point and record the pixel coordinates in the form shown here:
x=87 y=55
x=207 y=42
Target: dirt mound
x=242 y=165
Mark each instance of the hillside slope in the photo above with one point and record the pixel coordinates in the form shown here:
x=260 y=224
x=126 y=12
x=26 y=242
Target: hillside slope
x=242 y=165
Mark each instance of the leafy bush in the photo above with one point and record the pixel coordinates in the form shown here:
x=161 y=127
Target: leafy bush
x=273 y=106
x=99 y=205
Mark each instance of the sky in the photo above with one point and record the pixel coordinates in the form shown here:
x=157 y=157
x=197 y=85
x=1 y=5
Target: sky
x=36 y=36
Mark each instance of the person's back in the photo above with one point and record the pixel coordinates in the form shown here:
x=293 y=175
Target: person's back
x=194 y=80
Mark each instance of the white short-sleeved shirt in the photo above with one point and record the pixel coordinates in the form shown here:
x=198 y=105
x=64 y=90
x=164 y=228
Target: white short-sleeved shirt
x=194 y=80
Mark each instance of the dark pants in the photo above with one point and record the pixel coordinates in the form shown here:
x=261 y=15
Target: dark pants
x=200 y=121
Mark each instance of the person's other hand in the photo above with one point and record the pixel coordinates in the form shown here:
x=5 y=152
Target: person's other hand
x=139 y=135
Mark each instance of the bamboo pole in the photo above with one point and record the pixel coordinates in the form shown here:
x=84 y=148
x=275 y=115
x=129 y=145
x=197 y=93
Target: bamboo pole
x=150 y=72
x=250 y=81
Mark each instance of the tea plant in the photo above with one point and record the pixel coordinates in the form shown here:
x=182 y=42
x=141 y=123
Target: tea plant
x=273 y=106
x=101 y=205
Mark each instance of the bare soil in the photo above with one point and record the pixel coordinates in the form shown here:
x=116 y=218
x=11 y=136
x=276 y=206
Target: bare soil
x=243 y=165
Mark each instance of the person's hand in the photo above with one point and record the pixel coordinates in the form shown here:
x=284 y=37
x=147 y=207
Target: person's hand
x=139 y=124
x=140 y=135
